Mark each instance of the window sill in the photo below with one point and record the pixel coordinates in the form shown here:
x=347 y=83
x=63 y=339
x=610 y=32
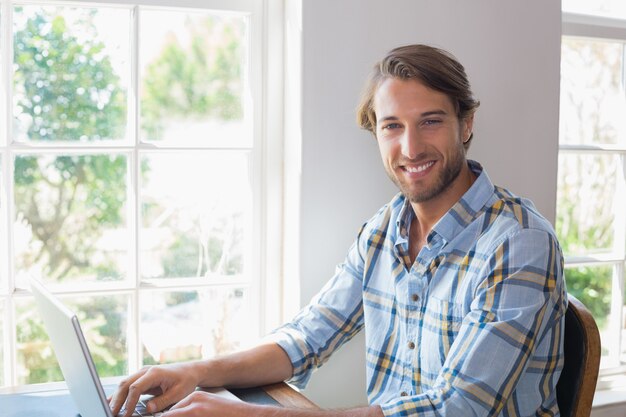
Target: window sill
x=610 y=398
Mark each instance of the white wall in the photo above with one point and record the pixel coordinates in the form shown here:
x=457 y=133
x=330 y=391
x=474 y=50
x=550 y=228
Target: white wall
x=511 y=52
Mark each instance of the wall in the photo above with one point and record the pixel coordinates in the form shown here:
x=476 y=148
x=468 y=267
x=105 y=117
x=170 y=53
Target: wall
x=511 y=52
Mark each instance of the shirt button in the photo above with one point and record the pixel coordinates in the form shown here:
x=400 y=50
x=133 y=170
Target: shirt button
x=404 y=394
x=415 y=297
x=411 y=345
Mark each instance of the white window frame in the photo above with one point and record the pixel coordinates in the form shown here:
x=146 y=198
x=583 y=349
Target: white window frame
x=605 y=29
x=266 y=80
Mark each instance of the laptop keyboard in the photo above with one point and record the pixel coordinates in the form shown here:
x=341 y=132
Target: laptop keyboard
x=141 y=411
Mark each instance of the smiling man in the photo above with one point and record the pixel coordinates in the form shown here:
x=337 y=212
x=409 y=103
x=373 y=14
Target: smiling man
x=457 y=283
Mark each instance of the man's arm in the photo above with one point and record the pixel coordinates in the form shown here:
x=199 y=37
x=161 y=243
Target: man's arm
x=261 y=365
x=203 y=404
x=176 y=383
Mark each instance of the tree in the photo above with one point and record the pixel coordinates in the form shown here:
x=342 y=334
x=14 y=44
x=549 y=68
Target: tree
x=591 y=74
x=66 y=89
x=199 y=80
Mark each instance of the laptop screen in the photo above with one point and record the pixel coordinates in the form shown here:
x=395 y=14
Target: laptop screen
x=72 y=353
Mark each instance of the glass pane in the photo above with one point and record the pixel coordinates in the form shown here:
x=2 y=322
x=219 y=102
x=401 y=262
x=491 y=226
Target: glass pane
x=104 y=324
x=70 y=221
x=197 y=324
x=196 y=212
x=1 y=343
x=71 y=73
x=585 y=201
x=3 y=235
x=592 y=286
x=193 y=77
x=606 y=8
x=593 y=103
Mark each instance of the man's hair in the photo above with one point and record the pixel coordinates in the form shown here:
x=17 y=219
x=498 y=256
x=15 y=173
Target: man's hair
x=435 y=68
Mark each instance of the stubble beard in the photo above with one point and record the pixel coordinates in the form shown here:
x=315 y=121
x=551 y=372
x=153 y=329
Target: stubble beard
x=447 y=176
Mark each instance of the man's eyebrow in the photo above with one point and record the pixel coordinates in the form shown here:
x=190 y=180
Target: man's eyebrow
x=434 y=113
x=425 y=114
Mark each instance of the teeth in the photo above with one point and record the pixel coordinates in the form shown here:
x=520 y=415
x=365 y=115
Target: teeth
x=419 y=168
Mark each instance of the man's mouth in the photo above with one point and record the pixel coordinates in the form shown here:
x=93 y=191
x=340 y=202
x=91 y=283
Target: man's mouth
x=415 y=169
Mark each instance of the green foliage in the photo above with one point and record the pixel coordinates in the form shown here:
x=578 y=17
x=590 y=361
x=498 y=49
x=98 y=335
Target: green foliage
x=34 y=350
x=102 y=319
x=85 y=194
x=592 y=286
x=65 y=85
x=66 y=89
x=199 y=80
x=591 y=76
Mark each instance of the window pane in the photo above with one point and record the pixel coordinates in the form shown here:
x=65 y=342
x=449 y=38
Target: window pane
x=3 y=235
x=592 y=286
x=2 y=343
x=607 y=8
x=104 y=324
x=71 y=73
x=196 y=214
x=586 y=200
x=593 y=103
x=70 y=219
x=196 y=324
x=193 y=74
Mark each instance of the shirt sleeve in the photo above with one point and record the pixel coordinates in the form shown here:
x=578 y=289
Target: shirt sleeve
x=331 y=319
x=514 y=326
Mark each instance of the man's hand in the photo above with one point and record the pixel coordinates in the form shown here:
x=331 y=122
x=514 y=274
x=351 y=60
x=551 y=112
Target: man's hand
x=203 y=404
x=168 y=383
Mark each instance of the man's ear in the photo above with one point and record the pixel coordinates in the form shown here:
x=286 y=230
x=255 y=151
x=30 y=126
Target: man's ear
x=468 y=127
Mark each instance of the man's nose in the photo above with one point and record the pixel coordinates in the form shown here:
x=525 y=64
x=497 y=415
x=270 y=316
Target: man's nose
x=410 y=144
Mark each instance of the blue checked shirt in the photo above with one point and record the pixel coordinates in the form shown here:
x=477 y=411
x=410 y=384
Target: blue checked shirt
x=472 y=328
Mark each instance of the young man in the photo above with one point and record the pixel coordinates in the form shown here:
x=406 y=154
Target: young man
x=457 y=283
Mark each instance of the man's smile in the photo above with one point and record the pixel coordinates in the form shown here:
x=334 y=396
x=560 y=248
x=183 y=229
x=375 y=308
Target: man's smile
x=415 y=168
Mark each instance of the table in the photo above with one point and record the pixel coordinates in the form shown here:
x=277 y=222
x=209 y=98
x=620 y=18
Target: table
x=48 y=403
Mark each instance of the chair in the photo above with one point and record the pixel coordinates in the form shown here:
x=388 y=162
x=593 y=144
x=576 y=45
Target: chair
x=577 y=384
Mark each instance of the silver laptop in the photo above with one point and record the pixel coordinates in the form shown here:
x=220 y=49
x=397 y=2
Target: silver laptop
x=74 y=358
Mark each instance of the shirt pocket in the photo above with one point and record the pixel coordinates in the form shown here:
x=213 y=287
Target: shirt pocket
x=442 y=321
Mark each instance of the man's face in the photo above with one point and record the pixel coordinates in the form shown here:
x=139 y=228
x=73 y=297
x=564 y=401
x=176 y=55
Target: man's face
x=420 y=138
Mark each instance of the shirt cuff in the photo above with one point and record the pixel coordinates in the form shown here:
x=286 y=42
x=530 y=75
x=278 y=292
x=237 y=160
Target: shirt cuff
x=296 y=349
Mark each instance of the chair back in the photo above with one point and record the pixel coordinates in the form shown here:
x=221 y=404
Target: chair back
x=577 y=383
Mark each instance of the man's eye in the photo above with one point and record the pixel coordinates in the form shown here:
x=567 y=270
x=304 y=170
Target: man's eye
x=431 y=122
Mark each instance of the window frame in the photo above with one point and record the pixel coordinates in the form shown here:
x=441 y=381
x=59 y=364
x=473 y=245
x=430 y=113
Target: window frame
x=265 y=61
x=591 y=27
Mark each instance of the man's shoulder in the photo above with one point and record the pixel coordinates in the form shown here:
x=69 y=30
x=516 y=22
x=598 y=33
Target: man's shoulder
x=385 y=217
x=517 y=212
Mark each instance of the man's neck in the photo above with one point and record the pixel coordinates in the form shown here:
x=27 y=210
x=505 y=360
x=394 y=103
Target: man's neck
x=428 y=213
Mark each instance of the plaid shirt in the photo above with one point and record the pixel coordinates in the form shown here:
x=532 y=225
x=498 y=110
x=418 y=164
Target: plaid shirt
x=473 y=327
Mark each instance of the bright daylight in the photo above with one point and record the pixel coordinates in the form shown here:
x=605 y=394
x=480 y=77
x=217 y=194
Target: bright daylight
x=354 y=208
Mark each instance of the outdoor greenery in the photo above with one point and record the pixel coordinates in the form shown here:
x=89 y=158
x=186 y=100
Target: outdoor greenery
x=66 y=88
x=198 y=80
x=590 y=78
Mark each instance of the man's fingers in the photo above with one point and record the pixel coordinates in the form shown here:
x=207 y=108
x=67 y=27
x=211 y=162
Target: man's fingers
x=141 y=385
x=116 y=401
x=160 y=402
x=182 y=403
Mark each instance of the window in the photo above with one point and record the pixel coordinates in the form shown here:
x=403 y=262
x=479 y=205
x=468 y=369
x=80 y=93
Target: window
x=591 y=201
x=131 y=179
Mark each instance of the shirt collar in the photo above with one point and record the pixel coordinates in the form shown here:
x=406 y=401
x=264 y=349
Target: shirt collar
x=459 y=216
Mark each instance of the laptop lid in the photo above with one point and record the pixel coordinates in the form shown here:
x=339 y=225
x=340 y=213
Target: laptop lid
x=72 y=353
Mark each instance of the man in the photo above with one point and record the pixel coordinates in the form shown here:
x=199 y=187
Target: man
x=457 y=283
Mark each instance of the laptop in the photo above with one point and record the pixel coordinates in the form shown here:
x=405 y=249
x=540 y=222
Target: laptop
x=75 y=359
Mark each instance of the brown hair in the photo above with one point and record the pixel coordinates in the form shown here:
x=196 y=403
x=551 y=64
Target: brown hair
x=436 y=68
